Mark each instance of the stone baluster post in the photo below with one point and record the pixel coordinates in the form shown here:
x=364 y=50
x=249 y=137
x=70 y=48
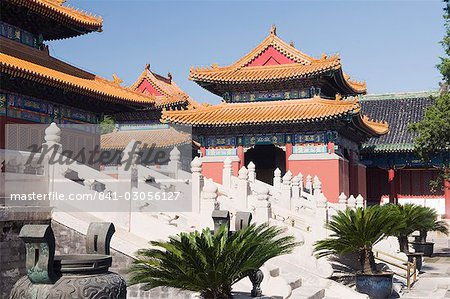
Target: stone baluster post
x=251 y=172
x=175 y=162
x=301 y=182
x=342 y=201
x=226 y=173
x=321 y=210
x=277 y=179
x=308 y=184
x=52 y=139
x=263 y=211
x=295 y=188
x=209 y=201
x=351 y=202
x=243 y=187
x=286 y=192
x=50 y=149
x=359 y=201
x=197 y=184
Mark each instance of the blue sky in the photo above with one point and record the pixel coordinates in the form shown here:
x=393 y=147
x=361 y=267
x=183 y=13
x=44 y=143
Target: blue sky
x=393 y=45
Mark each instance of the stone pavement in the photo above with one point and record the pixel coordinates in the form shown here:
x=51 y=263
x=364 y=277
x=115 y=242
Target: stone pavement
x=434 y=281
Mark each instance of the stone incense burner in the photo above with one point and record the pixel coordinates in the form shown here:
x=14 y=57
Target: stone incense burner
x=72 y=276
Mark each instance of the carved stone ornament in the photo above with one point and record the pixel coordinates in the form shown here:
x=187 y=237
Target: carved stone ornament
x=69 y=276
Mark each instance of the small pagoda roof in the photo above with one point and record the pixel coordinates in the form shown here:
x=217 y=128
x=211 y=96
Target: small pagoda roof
x=295 y=65
x=160 y=137
x=400 y=110
x=164 y=90
x=37 y=66
x=314 y=109
x=63 y=21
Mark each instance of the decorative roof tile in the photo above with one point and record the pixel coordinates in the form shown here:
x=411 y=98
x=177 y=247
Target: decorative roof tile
x=52 y=74
x=160 y=138
x=399 y=110
x=276 y=112
x=54 y=9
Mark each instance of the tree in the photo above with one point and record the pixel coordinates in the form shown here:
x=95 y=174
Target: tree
x=433 y=131
x=357 y=231
x=206 y=262
x=107 y=125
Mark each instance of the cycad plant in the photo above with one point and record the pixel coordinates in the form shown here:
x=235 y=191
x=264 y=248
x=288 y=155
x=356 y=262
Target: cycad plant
x=357 y=231
x=431 y=223
x=414 y=217
x=209 y=263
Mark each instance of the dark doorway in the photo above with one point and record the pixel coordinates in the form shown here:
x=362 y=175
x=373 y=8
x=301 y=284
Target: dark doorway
x=266 y=158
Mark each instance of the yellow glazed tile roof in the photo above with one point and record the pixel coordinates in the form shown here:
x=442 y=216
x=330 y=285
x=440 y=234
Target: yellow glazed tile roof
x=172 y=95
x=93 y=86
x=303 y=66
x=275 y=112
x=62 y=13
x=161 y=138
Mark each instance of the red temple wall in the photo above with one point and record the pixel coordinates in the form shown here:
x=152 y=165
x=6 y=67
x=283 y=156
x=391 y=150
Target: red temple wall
x=213 y=170
x=331 y=172
x=408 y=183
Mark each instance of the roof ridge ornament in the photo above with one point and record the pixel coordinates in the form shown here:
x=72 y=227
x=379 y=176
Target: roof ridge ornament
x=147 y=66
x=273 y=30
x=117 y=80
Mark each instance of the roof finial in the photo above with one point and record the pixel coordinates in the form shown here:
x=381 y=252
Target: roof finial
x=116 y=79
x=169 y=75
x=147 y=66
x=273 y=30
x=292 y=44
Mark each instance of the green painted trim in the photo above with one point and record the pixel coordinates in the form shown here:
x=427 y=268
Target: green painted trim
x=388 y=148
x=400 y=96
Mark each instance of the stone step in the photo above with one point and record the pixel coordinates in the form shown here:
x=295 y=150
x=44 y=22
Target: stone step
x=308 y=292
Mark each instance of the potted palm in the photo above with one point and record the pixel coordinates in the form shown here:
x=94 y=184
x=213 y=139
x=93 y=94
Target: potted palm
x=206 y=262
x=430 y=224
x=357 y=231
x=413 y=216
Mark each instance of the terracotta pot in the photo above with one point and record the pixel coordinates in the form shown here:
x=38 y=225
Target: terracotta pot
x=376 y=286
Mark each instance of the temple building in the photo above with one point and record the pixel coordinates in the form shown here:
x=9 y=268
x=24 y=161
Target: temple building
x=283 y=109
x=37 y=88
x=145 y=126
x=394 y=172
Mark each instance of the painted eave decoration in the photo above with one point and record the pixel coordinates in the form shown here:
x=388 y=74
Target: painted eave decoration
x=71 y=17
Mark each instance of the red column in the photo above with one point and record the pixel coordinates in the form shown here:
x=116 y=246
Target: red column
x=288 y=154
x=392 y=191
x=203 y=151
x=447 y=198
x=240 y=154
x=330 y=147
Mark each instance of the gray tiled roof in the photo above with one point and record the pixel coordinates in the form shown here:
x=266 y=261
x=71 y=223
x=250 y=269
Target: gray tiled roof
x=399 y=110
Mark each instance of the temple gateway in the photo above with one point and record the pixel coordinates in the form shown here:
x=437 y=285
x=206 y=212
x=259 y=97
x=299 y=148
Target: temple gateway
x=283 y=109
